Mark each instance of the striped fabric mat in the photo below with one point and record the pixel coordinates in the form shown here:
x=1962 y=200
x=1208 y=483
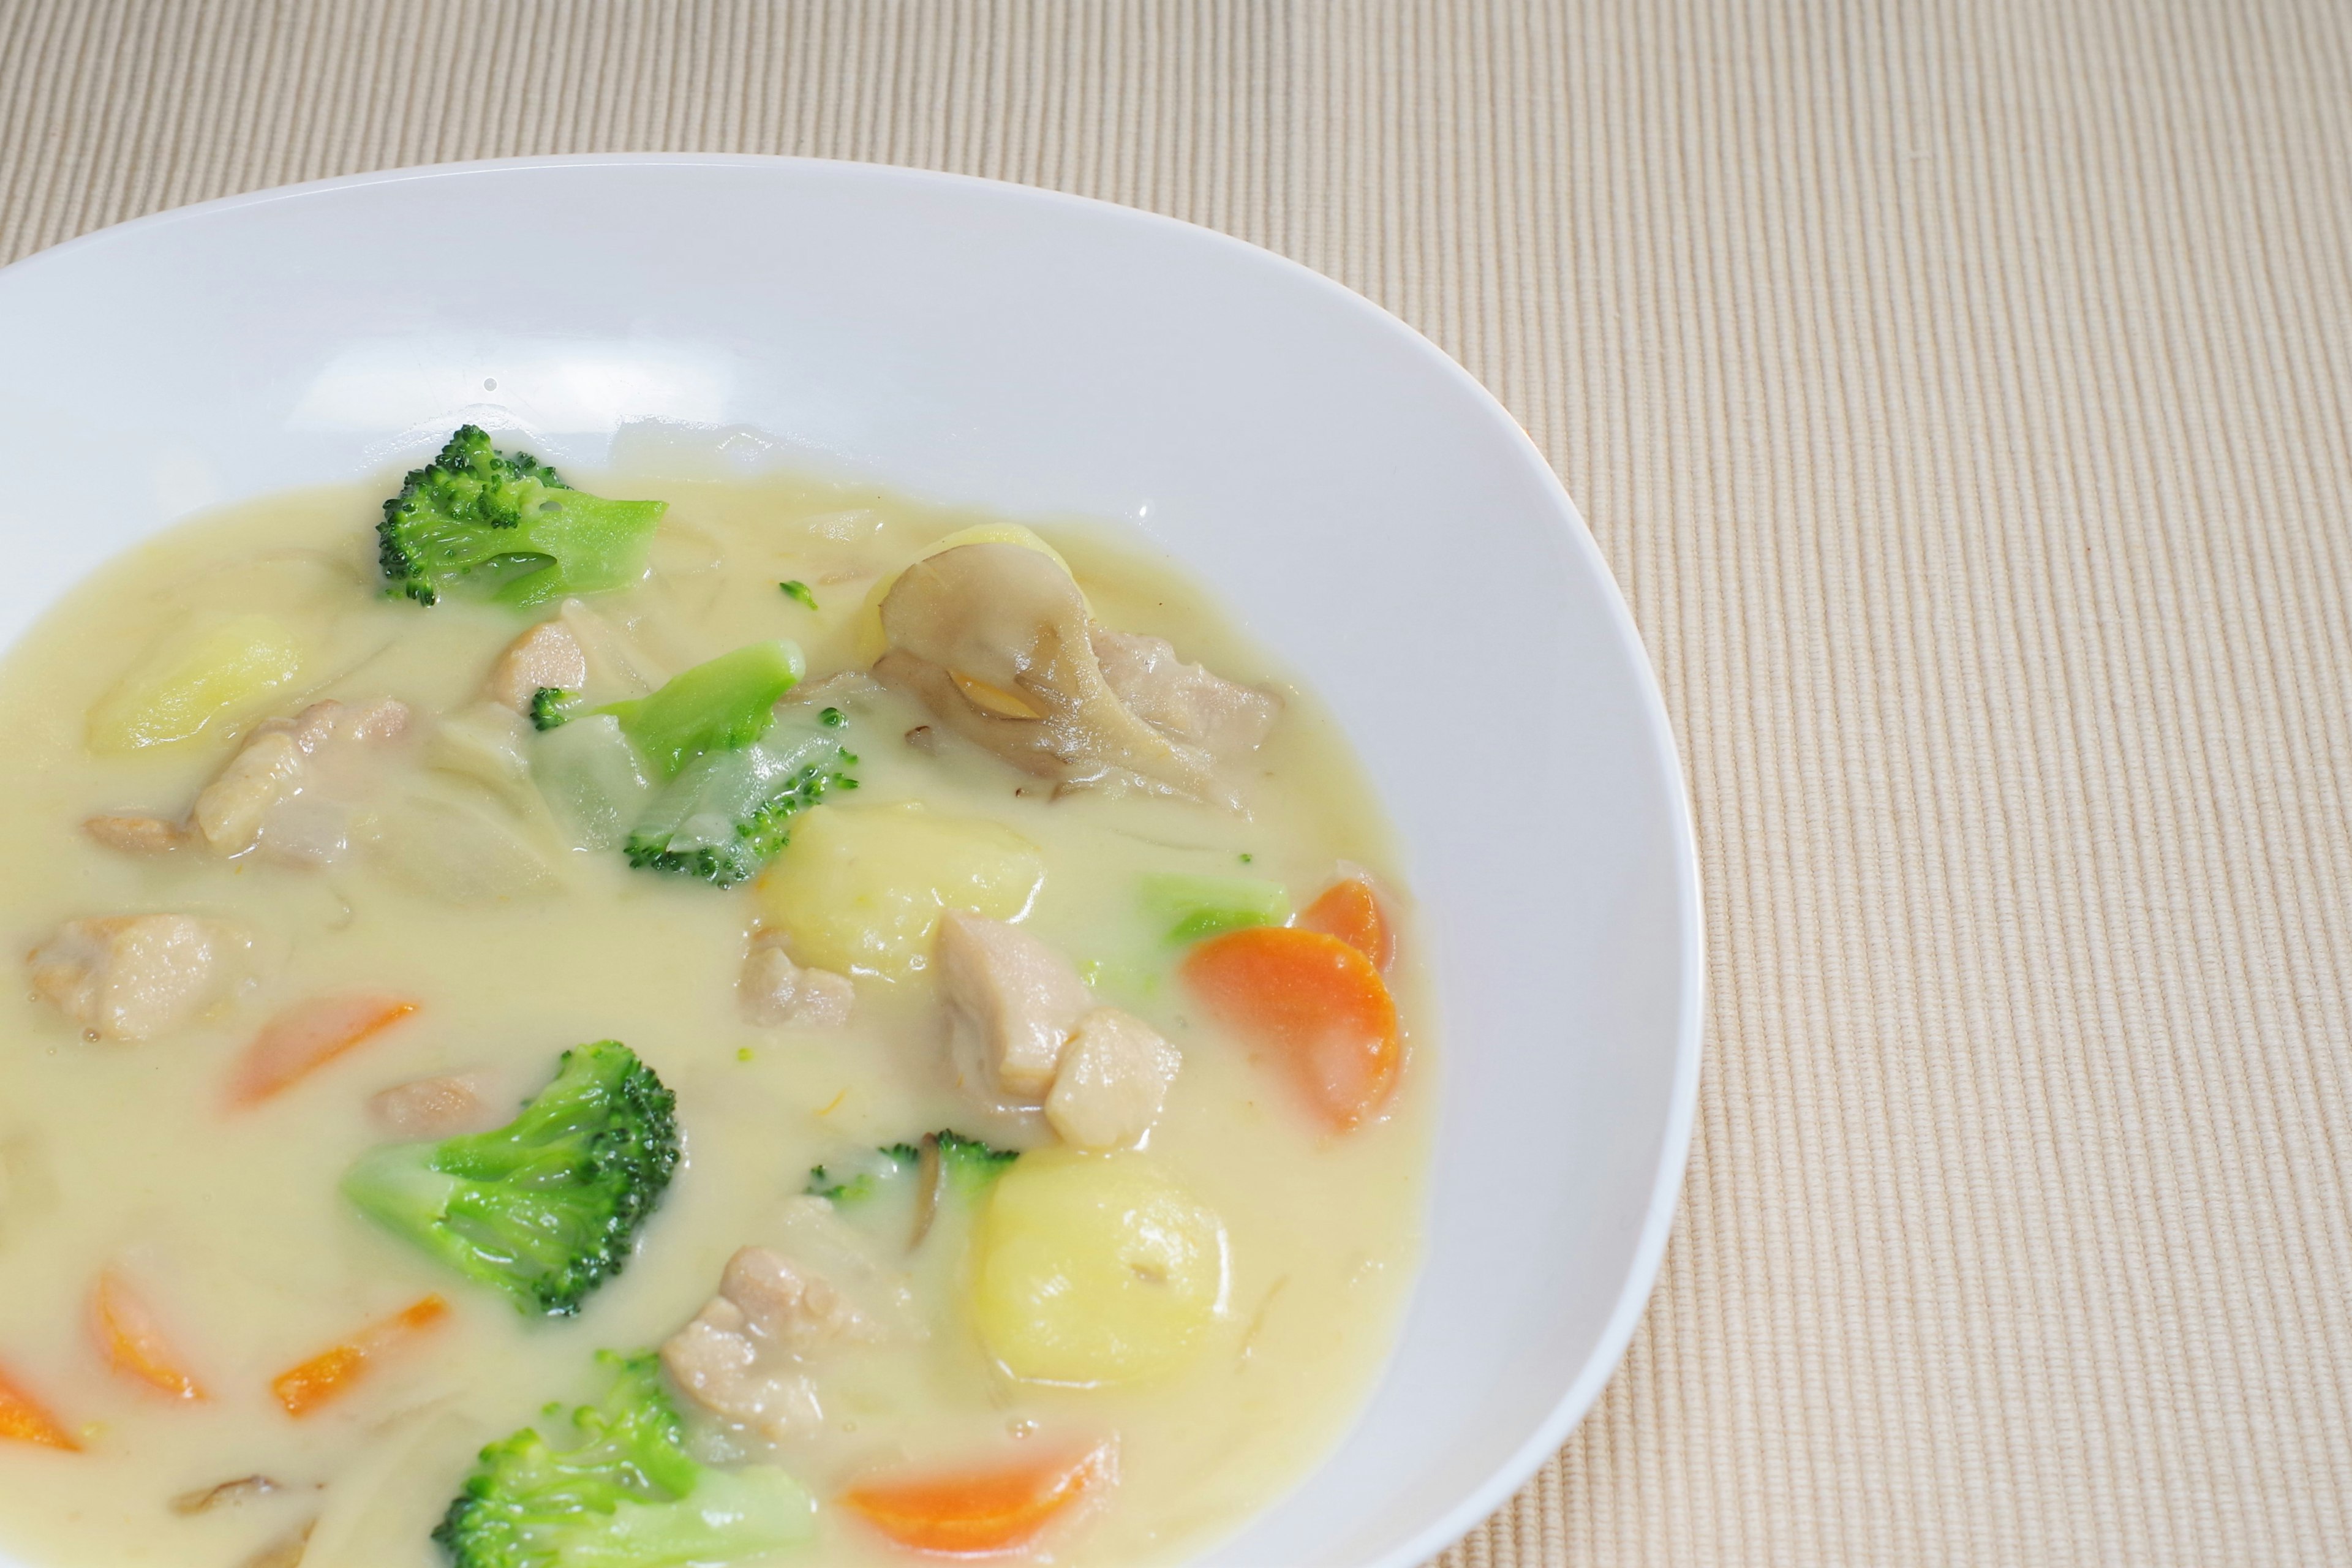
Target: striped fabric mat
x=1959 y=390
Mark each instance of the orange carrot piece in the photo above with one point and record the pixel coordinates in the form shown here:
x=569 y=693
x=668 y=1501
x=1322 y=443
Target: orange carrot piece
x=1314 y=1001
x=24 y=1419
x=134 y=1343
x=331 y=1374
x=995 y=1510
x=1351 y=910
x=308 y=1036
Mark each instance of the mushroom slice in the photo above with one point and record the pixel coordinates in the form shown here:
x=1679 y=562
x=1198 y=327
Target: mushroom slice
x=243 y=1490
x=994 y=640
x=1183 y=700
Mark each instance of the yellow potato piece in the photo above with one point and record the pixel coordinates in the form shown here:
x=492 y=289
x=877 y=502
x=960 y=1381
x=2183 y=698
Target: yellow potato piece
x=221 y=674
x=860 y=889
x=872 y=644
x=1096 y=1268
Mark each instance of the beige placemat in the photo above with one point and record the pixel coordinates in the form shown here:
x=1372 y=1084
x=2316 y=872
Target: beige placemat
x=1960 y=393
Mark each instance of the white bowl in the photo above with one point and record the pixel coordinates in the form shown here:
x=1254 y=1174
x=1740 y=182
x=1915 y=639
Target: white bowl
x=1355 y=497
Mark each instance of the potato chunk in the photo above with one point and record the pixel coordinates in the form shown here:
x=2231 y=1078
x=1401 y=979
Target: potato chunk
x=859 y=889
x=131 y=977
x=220 y=675
x=1096 y=1268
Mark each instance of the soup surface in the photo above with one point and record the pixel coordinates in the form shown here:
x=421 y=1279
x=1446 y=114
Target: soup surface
x=1131 y=1311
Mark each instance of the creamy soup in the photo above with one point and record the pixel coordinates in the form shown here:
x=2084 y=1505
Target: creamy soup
x=1017 y=1160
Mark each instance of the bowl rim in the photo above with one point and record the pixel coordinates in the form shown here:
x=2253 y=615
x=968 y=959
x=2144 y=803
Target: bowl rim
x=1649 y=1254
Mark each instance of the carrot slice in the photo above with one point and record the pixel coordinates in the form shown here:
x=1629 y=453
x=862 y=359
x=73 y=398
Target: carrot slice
x=1351 y=910
x=307 y=1037
x=132 y=1341
x=24 y=1419
x=1314 y=1001
x=332 y=1373
x=975 y=1512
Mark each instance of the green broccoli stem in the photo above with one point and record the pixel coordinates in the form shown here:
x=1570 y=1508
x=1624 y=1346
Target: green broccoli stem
x=719 y=706
x=1187 y=907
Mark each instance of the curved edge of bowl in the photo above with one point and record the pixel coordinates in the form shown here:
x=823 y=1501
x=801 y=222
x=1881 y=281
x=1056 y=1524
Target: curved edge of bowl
x=1584 y=1390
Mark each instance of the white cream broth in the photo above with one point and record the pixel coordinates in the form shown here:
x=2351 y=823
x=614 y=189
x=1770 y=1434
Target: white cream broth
x=230 y=1223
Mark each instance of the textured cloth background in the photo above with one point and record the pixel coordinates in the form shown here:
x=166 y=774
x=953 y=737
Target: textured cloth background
x=1959 y=392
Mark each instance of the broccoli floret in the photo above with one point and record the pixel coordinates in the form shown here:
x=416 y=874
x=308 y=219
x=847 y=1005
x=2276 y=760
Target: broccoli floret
x=507 y=527
x=972 y=1164
x=629 y=1496
x=851 y=1182
x=551 y=707
x=546 y=1208
x=967 y=1166
x=721 y=705
x=727 y=813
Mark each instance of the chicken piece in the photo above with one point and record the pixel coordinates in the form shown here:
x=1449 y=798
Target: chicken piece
x=776 y=991
x=434 y=1107
x=288 y=788
x=264 y=774
x=136 y=835
x=1113 y=1081
x=132 y=977
x=1012 y=1003
x=994 y=640
x=746 y=1355
x=548 y=655
x=1183 y=700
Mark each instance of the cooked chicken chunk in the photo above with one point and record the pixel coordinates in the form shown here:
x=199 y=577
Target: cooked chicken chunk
x=263 y=775
x=548 y=655
x=1012 y=1003
x=1184 y=700
x=1113 y=1081
x=435 y=1107
x=745 y=1357
x=132 y=977
x=994 y=640
x=775 y=990
x=287 y=792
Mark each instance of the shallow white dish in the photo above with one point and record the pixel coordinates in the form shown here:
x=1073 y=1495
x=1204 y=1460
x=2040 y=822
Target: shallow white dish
x=1350 y=492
